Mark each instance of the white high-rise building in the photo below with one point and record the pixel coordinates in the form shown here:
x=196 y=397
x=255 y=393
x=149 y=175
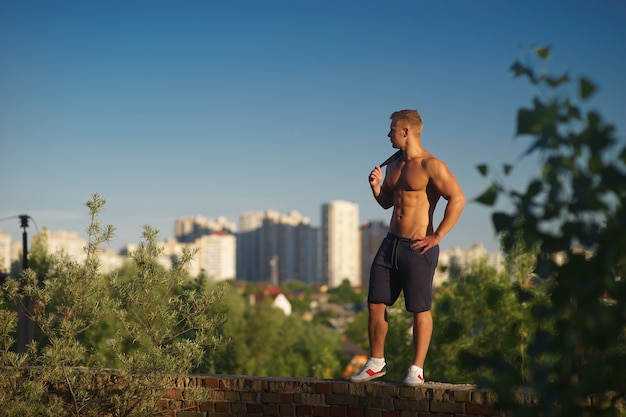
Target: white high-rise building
x=5 y=252
x=216 y=255
x=340 y=244
x=65 y=243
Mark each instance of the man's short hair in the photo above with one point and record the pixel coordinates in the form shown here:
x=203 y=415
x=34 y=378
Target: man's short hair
x=412 y=117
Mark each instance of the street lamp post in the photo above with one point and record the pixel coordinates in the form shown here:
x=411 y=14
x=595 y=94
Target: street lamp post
x=25 y=325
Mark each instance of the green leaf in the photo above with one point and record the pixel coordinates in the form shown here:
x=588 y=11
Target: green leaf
x=587 y=88
x=489 y=196
x=622 y=155
x=483 y=169
x=507 y=169
x=502 y=221
x=525 y=122
x=543 y=52
x=519 y=70
x=595 y=164
x=573 y=112
x=534 y=188
x=556 y=81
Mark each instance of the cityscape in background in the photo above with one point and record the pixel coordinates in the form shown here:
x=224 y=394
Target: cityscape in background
x=265 y=247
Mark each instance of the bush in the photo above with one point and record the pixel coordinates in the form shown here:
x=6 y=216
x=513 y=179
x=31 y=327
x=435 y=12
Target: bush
x=156 y=329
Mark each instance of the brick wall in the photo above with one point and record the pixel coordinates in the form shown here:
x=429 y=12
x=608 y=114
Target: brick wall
x=224 y=395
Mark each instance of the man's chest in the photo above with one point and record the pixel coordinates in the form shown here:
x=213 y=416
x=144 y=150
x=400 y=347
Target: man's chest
x=408 y=177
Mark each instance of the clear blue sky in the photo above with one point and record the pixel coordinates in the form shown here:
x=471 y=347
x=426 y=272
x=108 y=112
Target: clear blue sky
x=180 y=108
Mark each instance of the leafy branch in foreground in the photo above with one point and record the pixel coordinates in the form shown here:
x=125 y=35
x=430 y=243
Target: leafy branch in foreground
x=574 y=214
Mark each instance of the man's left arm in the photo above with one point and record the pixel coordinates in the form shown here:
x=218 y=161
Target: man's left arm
x=450 y=190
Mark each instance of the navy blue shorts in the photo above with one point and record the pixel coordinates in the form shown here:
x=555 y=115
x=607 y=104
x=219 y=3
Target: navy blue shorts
x=397 y=267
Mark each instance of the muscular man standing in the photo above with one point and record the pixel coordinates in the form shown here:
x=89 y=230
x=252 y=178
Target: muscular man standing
x=408 y=256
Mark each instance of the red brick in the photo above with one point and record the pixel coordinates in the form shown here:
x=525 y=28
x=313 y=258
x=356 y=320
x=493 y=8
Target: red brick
x=207 y=406
x=238 y=408
x=173 y=393
x=270 y=398
x=339 y=411
x=411 y=405
x=480 y=410
x=209 y=382
x=286 y=398
x=324 y=387
x=304 y=410
x=355 y=412
x=320 y=411
x=447 y=407
x=222 y=406
x=190 y=414
x=343 y=399
x=271 y=410
x=254 y=408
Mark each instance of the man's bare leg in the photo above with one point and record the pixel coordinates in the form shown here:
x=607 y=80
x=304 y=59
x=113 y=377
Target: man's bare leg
x=377 y=328
x=422 y=332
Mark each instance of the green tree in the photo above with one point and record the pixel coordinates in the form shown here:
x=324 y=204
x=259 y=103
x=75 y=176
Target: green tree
x=345 y=295
x=478 y=314
x=300 y=295
x=266 y=342
x=573 y=212
x=356 y=330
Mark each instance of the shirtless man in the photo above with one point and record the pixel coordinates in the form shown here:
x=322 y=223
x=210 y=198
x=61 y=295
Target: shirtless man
x=408 y=256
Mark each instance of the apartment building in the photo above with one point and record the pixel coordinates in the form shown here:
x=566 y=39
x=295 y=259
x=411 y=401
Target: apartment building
x=5 y=253
x=274 y=247
x=340 y=244
x=372 y=234
x=190 y=229
x=61 y=242
x=216 y=255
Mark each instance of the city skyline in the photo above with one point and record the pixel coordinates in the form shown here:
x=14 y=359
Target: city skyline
x=174 y=109
x=270 y=247
x=223 y=221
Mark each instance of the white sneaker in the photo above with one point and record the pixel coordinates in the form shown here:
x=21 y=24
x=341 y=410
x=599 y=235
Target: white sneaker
x=414 y=377
x=368 y=373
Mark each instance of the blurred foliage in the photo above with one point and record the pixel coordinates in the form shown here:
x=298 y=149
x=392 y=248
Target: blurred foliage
x=266 y=342
x=573 y=216
x=478 y=314
x=347 y=296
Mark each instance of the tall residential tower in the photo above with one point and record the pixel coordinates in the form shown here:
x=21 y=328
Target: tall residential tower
x=340 y=244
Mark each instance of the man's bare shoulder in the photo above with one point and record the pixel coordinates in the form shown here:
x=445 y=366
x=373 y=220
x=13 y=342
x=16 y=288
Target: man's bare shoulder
x=431 y=162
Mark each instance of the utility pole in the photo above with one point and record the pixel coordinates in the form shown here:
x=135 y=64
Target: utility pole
x=274 y=270
x=25 y=326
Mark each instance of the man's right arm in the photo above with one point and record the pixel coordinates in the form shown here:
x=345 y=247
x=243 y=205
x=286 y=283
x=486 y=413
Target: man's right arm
x=381 y=193
x=384 y=197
